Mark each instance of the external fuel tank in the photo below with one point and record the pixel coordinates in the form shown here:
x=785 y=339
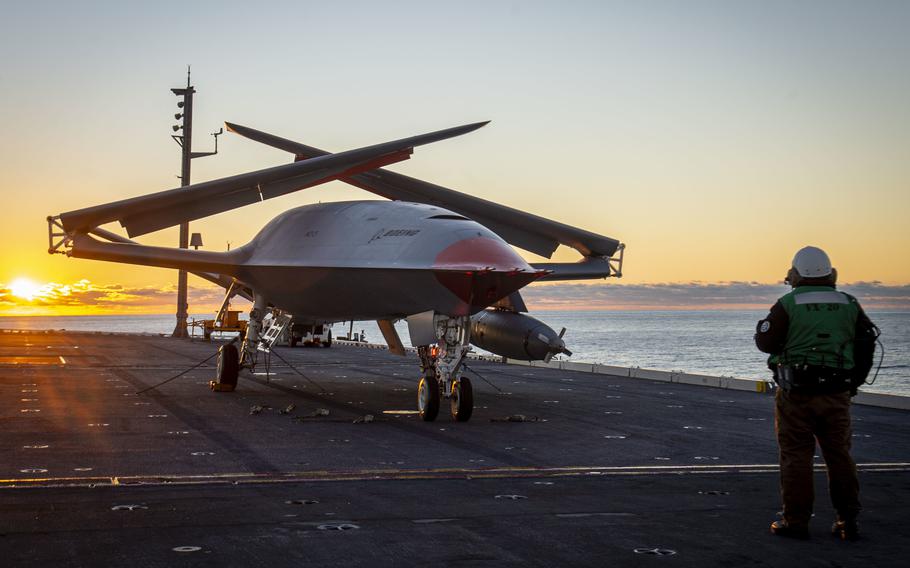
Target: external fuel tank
x=515 y=336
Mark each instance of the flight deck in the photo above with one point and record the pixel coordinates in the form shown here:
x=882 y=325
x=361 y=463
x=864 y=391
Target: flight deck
x=322 y=460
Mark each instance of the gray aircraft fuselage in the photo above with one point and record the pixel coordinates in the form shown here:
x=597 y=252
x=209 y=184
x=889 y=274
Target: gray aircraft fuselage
x=363 y=260
x=357 y=260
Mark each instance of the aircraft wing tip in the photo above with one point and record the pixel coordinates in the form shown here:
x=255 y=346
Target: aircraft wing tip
x=471 y=127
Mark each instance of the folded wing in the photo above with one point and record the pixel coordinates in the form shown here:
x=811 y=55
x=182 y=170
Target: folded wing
x=147 y=213
x=527 y=231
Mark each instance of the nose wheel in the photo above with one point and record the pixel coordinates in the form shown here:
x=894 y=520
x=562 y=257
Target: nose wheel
x=428 y=398
x=462 y=399
x=440 y=364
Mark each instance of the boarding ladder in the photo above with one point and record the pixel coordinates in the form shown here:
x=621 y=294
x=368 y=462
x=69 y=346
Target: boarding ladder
x=271 y=335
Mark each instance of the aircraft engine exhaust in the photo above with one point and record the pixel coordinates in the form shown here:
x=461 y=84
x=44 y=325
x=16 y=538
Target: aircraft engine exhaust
x=516 y=336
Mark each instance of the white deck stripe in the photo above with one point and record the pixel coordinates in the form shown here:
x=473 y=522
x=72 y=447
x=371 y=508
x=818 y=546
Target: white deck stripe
x=440 y=474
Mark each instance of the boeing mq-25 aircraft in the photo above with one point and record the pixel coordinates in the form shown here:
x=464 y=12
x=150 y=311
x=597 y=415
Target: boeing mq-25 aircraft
x=436 y=257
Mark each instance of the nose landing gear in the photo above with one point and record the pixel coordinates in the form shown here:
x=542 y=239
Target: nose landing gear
x=462 y=399
x=441 y=367
x=428 y=398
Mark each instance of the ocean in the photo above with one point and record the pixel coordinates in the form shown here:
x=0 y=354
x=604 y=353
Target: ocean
x=710 y=342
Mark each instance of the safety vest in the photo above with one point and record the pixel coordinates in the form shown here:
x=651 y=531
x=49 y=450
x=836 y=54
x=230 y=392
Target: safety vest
x=821 y=329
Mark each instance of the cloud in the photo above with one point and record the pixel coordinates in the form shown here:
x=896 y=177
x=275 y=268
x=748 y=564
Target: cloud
x=85 y=296
x=694 y=295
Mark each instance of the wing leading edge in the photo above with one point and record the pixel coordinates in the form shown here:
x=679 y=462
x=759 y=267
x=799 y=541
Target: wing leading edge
x=147 y=213
x=525 y=230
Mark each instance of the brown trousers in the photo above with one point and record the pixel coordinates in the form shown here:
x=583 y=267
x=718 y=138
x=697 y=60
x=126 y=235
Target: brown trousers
x=800 y=420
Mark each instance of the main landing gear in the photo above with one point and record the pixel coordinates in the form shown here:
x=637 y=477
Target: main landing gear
x=441 y=371
x=227 y=369
x=231 y=358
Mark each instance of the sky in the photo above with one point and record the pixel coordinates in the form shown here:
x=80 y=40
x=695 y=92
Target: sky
x=713 y=138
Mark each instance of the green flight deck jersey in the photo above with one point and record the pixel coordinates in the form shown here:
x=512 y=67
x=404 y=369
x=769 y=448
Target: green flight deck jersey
x=822 y=327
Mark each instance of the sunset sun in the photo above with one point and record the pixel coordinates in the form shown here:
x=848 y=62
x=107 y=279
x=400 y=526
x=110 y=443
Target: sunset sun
x=24 y=288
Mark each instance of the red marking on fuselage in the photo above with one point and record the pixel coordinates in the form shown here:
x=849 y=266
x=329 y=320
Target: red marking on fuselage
x=480 y=253
x=481 y=271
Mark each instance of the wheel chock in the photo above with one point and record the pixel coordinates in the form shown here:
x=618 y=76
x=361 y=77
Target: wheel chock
x=221 y=387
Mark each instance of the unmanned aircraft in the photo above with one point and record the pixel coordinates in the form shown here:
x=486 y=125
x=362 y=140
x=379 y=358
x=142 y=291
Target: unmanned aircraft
x=440 y=259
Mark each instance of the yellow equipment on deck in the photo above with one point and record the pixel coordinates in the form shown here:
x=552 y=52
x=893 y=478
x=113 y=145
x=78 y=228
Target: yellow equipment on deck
x=230 y=323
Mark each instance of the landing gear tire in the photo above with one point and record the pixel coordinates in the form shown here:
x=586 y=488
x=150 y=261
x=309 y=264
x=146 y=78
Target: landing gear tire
x=462 y=400
x=228 y=368
x=428 y=398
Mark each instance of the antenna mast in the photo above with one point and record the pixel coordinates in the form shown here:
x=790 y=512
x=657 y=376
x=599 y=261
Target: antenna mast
x=185 y=140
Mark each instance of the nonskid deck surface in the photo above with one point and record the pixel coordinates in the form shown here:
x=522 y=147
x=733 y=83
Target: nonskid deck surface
x=604 y=471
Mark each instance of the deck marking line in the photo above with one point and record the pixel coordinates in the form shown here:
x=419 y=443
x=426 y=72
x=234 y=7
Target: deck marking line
x=448 y=473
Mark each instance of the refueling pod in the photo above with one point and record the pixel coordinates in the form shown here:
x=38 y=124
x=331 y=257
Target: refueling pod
x=516 y=336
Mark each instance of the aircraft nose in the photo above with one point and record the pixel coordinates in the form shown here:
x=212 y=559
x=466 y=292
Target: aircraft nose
x=480 y=271
x=480 y=253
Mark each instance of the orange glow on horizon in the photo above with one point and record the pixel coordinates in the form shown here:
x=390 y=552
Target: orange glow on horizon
x=644 y=307
x=24 y=296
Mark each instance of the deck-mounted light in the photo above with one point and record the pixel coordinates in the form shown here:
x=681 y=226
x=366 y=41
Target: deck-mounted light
x=196 y=240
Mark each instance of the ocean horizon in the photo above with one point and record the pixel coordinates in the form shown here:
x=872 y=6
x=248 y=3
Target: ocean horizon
x=709 y=342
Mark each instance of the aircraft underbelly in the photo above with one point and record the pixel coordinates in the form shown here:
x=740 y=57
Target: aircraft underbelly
x=338 y=294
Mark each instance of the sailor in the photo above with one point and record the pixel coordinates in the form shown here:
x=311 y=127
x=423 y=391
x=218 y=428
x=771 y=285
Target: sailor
x=810 y=334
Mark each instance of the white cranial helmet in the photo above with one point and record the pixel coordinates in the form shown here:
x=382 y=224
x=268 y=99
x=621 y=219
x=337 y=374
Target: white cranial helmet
x=812 y=262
